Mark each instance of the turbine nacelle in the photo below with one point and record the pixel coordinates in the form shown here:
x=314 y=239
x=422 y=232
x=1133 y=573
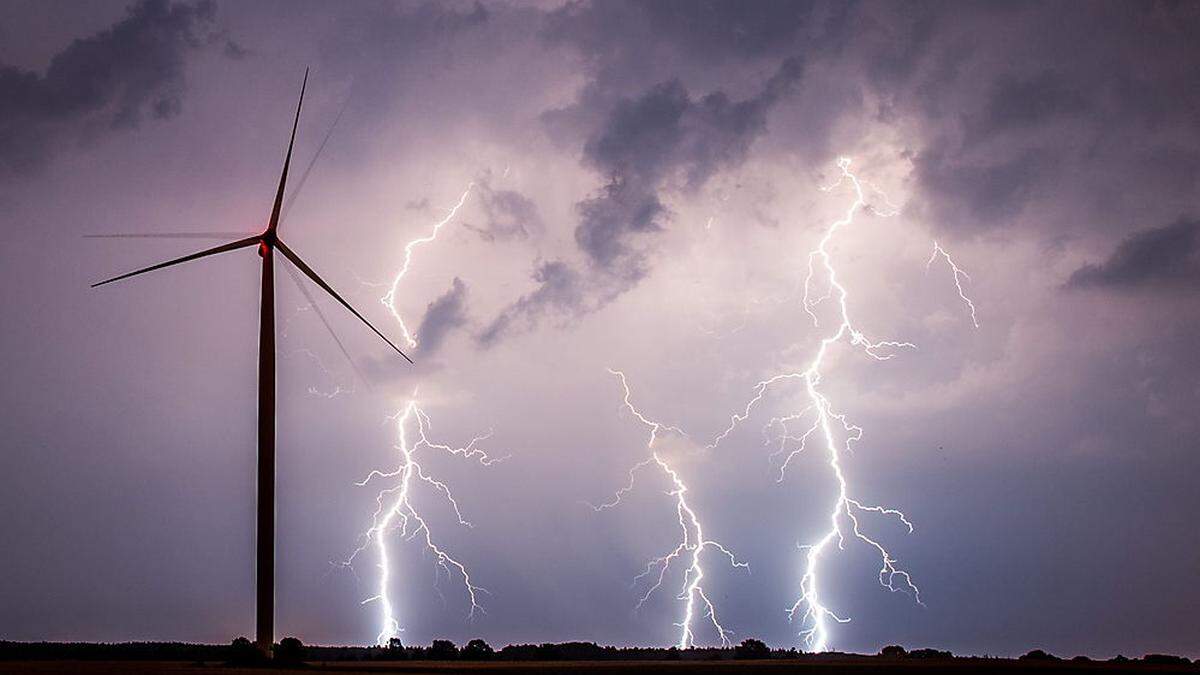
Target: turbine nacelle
x=267 y=241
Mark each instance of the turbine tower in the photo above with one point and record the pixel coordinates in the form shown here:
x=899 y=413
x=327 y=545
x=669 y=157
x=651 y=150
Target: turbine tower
x=267 y=243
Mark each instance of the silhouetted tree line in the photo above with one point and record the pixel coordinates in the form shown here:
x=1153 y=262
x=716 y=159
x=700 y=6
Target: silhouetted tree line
x=898 y=652
x=124 y=651
x=290 y=651
x=1149 y=659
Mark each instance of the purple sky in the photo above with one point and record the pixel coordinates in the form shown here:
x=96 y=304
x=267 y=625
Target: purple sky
x=645 y=191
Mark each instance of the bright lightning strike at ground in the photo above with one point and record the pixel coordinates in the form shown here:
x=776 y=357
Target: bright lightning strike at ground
x=692 y=544
x=389 y=300
x=821 y=421
x=397 y=513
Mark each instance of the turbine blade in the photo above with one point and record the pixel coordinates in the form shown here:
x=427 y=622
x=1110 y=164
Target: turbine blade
x=166 y=235
x=291 y=199
x=321 y=315
x=231 y=246
x=303 y=267
x=287 y=160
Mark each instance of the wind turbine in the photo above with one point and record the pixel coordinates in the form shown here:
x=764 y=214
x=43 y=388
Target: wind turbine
x=267 y=242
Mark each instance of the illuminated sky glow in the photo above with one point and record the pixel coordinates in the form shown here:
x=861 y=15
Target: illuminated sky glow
x=645 y=183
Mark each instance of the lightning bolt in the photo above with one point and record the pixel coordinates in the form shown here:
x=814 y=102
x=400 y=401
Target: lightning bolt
x=389 y=300
x=959 y=275
x=823 y=423
x=397 y=511
x=692 y=544
x=395 y=508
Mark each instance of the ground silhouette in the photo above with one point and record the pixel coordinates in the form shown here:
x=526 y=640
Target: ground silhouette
x=443 y=656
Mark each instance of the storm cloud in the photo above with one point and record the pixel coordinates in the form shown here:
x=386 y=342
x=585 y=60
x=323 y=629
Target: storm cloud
x=442 y=316
x=105 y=82
x=508 y=214
x=1168 y=255
x=1071 y=109
x=659 y=140
x=560 y=290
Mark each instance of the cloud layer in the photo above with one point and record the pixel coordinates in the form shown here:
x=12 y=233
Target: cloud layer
x=107 y=81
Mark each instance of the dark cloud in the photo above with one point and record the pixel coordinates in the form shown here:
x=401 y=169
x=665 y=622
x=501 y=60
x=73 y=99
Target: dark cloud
x=1167 y=255
x=106 y=81
x=379 y=28
x=609 y=220
x=403 y=36
x=640 y=137
x=646 y=137
x=663 y=136
x=664 y=130
x=973 y=183
x=234 y=50
x=646 y=144
x=447 y=312
x=616 y=36
x=656 y=138
x=984 y=191
x=559 y=290
x=1019 y=104
x=508 y=214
